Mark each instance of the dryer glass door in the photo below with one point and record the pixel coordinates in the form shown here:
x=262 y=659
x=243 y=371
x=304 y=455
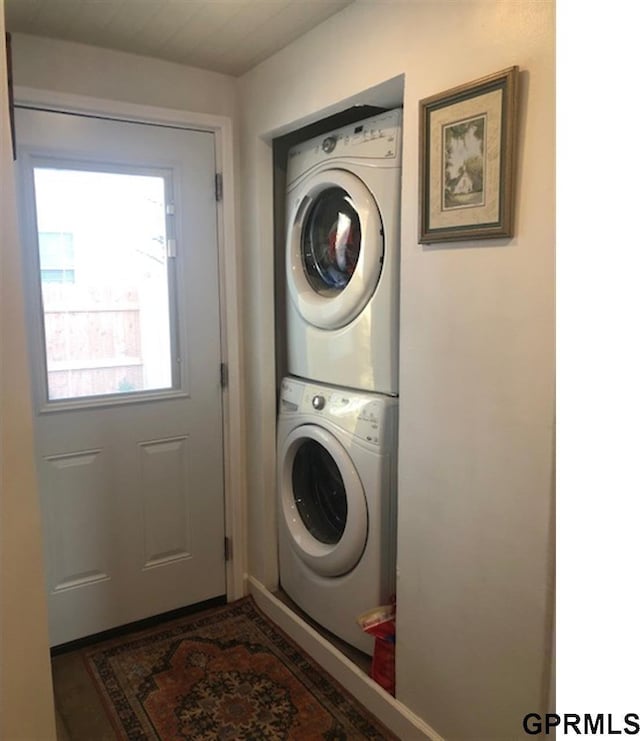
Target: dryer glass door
x=331 y=242
x=335 y=248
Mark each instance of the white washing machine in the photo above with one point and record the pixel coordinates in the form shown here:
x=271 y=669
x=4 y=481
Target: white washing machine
x=342 y=255
x=337 y=503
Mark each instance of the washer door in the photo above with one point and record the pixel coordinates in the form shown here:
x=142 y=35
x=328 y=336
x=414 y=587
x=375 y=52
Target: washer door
x=335 y=248
x=322 y=501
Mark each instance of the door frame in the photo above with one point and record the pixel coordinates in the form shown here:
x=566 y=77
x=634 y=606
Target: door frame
x=231 y=332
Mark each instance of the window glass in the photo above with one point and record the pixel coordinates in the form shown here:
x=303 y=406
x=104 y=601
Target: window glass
x=105 y=282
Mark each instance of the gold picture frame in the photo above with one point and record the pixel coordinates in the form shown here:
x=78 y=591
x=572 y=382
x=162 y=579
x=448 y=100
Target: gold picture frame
x=467 y=155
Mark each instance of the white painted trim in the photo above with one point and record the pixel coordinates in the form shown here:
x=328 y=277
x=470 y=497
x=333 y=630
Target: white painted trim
x=232 y=398
x=396 y=716
x=118 y=109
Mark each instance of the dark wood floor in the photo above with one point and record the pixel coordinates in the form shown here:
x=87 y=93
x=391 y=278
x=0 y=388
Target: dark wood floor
x=80 y=715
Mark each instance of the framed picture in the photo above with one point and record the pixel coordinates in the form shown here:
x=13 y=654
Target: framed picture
x=467 y=160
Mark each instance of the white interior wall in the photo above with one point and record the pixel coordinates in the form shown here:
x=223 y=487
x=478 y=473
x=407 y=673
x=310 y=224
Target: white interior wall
x=477 y=358
x=26 y=695
x=69 y=67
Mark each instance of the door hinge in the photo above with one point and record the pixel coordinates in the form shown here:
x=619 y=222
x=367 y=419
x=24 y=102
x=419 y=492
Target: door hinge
x=171 y=248
x=218 y=183
x=227 y=548
x=224 y=375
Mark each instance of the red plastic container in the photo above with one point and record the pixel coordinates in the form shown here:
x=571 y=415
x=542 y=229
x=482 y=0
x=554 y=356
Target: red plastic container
x=381 y=624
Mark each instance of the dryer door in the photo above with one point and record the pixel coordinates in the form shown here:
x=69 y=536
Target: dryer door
x=335 y=248
x=322 y=501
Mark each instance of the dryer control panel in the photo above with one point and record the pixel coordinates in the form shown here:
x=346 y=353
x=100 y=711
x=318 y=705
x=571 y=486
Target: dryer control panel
x=376 y=138
x=363 y=415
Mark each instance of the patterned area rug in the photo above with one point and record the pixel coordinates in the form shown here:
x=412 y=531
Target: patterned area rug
x=227 y=673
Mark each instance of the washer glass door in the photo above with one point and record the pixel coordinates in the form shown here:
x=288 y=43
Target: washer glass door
x=322 y=501
x=319 y=493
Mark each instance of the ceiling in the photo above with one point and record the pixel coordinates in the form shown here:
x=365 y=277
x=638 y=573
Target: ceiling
x=228 y=36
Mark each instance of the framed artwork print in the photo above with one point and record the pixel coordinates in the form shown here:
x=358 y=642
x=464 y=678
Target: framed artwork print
x=467 y=160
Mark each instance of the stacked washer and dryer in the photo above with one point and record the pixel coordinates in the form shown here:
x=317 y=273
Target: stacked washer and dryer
x=337 y=423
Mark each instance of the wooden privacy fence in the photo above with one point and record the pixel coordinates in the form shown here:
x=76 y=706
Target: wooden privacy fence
x=93 y=340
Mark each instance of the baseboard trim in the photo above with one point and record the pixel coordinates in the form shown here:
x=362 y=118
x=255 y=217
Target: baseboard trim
x=390 y=711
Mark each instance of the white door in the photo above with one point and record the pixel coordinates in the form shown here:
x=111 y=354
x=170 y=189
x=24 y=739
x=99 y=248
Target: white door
x=121 y=280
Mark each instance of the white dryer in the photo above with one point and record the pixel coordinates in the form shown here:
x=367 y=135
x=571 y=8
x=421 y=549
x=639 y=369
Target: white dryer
x=337 y=503
x=342 y=255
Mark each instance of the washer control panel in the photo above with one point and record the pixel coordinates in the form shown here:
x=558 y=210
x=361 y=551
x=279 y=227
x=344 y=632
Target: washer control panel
x=359 y=414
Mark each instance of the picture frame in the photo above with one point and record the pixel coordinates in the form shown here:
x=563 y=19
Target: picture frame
x=467 y=163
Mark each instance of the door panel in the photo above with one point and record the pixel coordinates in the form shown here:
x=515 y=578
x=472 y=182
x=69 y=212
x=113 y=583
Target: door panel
x=164 y=482
x=79 y=522
x=131 y=471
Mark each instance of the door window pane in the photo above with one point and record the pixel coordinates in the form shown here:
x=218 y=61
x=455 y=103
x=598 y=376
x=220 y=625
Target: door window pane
x=105 y=282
